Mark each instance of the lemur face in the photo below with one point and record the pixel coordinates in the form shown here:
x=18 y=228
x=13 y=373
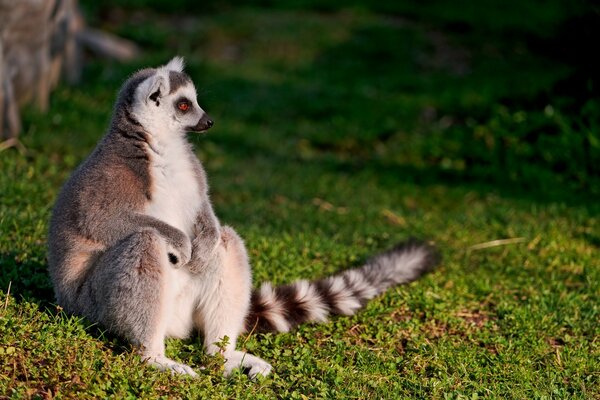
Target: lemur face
x=185 y=109
x=166 y=102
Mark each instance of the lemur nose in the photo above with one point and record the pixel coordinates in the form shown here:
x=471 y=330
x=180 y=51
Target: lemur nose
x=203 y=124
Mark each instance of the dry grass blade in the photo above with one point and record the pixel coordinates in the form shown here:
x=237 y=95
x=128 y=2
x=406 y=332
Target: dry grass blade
x=12 y=142
x=7 y=296
x=495 y=243
x=393 y=218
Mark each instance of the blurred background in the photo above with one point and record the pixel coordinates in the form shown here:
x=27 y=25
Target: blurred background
x=502 y=92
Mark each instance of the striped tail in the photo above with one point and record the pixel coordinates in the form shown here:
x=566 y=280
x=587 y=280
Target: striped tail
x=279 y=309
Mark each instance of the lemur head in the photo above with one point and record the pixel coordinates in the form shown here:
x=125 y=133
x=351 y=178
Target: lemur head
x=164 y=101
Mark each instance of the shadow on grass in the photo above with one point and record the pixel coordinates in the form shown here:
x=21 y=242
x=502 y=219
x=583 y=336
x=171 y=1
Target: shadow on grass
x=540 y=186
x=544 y=160
x=28 y=279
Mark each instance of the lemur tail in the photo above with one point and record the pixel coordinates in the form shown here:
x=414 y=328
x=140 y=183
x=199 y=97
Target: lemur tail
x=278 y=309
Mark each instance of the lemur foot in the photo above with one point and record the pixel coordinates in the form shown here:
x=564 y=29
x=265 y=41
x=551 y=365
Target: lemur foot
x=166 y=364
x=253 y=365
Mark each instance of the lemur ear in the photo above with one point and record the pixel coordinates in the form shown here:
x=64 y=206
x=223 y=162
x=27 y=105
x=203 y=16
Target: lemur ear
x=155 y=89
x=176 y=64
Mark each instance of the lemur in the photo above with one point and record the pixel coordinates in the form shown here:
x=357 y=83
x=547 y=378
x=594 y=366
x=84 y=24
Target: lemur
x=135 y=246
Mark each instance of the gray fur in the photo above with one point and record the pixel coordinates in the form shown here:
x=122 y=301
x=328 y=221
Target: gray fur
x=206 y=236
x=177 y=80
x=130 y=268
x=103 y=203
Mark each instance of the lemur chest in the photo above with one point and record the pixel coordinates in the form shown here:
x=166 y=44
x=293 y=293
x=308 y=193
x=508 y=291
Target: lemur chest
x=176 y=193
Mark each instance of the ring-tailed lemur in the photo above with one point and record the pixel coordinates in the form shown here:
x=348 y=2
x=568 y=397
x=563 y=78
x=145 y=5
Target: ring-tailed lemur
x=134 y=243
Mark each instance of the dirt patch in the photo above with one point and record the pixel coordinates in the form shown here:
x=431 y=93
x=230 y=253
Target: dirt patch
x=475 y=318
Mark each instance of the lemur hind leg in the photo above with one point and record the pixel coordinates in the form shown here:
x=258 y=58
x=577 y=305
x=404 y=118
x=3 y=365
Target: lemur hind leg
x=225 y=306
x=131 y=297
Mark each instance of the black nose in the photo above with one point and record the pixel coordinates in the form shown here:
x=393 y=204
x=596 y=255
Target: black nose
x=203 y=124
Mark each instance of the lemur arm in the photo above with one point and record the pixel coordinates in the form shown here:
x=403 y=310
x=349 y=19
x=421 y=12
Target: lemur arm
x=175 y=237
x=112 y=230
x=207 y=228
x=207 y=234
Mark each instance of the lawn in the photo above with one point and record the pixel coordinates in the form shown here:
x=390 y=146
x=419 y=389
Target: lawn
x=341 y=130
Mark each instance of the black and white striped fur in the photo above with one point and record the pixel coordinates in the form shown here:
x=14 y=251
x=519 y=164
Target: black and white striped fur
x=281 y=308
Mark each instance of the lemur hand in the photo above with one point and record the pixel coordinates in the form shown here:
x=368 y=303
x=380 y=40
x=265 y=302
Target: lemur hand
x=204 y=248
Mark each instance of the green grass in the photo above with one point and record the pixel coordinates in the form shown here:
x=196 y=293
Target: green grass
x=340 y=131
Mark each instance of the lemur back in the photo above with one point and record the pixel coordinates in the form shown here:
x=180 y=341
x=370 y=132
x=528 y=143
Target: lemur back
x=135 y=245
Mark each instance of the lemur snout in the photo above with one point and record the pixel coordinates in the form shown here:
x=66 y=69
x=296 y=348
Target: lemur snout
x=203 y=124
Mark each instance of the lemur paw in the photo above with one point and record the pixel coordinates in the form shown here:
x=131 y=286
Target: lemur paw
x=252 y=365
x=166 y=364
x=205 y=251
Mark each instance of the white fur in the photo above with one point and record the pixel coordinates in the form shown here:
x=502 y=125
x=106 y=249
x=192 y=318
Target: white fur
x=359 y=284
x=176 y=197
x=403 y=268
x=345 y=301
x=275 y=310
x=224 y=302
x=238 y=359
x=176 y=64
x=313 y=304
x=163 y=363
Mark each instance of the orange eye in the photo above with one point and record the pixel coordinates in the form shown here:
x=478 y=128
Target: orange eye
x=183 y=106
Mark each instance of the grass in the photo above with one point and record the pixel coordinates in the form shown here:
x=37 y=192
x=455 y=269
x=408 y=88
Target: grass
x=340 y=131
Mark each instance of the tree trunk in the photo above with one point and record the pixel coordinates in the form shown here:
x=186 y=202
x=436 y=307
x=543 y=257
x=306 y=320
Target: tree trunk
x=40 y=40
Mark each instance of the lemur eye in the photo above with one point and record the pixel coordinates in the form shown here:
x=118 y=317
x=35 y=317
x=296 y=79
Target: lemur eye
x=183 y=106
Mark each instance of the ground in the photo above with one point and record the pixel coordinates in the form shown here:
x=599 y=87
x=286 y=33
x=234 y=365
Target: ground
x=341 y=130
